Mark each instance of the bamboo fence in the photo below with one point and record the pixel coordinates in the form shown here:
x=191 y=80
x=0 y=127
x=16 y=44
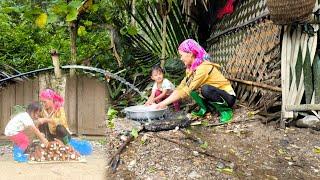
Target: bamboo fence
x=300 y=69
x=247 y=45
x=273 y=68
x=300 y=73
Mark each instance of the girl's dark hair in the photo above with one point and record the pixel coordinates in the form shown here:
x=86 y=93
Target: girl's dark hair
x=34 y=107
x=157 y=68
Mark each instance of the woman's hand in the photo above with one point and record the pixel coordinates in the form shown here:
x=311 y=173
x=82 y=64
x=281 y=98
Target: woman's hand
x=45 y=142
x=41 y=120
x=148 y=103
x=160 y=106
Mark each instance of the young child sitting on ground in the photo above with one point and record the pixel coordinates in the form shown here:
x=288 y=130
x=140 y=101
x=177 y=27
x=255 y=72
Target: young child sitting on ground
x=162 y=87
x=17 y=126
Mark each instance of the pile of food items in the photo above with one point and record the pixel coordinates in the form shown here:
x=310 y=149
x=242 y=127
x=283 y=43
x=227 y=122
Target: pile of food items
x=54 y=151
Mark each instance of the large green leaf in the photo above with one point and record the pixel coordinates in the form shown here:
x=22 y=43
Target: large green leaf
x=75 y=4
x=60 y=8
x=132 y=30
x=52 y=18
x=82 y=31
x=147 y=43
x=10 y=10
x=72 y=15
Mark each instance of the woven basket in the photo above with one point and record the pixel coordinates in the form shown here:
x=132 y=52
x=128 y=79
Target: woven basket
x=290 y=11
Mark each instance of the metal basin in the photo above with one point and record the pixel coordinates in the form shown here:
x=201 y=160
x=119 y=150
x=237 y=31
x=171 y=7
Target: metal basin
x=141 y=112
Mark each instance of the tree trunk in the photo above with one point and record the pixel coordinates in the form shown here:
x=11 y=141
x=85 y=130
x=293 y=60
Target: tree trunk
x=113 y=46
x=164 y=42
x=133 y=8
x=73 y=27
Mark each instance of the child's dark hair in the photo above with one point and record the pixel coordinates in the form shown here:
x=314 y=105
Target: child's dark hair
x=34 y=107
x=157 y=68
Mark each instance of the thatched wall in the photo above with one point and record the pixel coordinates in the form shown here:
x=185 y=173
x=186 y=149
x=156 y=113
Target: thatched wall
x=271 y=66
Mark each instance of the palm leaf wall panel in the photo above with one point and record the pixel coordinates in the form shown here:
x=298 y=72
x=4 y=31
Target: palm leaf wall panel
x=253 y=53
x=252 y=60
x=244 y=12
x=250 y=53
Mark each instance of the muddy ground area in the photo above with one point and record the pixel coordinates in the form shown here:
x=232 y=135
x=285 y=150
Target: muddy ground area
x=243 y=149
x=94 y=168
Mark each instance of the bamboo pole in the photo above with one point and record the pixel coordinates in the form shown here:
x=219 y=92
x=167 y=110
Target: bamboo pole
x=303 y=107
x=285 y=71
x=265 y=86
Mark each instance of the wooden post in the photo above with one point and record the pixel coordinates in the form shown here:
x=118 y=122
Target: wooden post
x=56 y=64
x=58 y=83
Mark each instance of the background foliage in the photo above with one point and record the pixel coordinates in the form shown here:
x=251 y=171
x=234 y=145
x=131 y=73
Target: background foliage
x=115 y=35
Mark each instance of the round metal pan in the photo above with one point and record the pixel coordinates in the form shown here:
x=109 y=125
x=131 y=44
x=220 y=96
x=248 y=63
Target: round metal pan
x=141 y=112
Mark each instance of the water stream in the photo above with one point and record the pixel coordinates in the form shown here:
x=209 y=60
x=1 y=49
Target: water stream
x=107 y=73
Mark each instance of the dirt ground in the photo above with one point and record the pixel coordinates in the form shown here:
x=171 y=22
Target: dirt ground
x=245 y=149
x=93 y=169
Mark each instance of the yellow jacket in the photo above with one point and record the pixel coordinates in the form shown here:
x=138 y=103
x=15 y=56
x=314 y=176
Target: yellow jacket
x=59 y=117
x=206 y=73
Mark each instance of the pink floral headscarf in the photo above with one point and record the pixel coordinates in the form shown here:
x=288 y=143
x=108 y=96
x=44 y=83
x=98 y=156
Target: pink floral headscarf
x=191 y=46
x=49 y=94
